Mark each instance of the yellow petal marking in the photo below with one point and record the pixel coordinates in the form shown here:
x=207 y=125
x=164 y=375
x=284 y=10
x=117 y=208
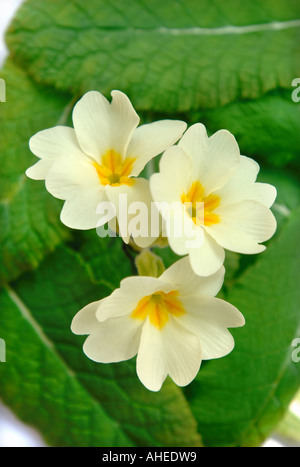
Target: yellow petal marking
x=202 y=214
x=114 y=170
x=158 y=308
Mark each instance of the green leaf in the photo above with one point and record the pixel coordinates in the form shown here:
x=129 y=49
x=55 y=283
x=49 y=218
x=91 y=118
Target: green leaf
x=168 y=56
x=266 y=129
x=288 y=194
x=238 y=400
x=289 y=427
x=40 y=387
x=288 y=189
x=29 y=216
x=47 y=377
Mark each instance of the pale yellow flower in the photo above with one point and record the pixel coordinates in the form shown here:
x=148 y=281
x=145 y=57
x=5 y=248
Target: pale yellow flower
x=171 y=323
x=212 y=187
x=100 y=158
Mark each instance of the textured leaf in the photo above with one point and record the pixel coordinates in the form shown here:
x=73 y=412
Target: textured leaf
x=42 y=389
x=29 y=217
x=233 y=67
x=266 y=129
x=171 y=56
x=239 y=399
x=51 y=384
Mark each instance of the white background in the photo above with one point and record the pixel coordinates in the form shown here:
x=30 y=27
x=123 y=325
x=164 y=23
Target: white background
x=13 y=433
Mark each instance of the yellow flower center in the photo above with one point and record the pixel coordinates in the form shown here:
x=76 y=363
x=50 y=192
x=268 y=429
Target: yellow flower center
x=114 y=170
x=201 y=207
x=158 y=308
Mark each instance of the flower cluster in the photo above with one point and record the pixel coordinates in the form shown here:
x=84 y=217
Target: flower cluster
x=207 y=200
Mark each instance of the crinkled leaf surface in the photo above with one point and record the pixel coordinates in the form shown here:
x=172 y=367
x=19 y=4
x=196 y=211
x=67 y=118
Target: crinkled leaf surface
x=50 y=383
x=229 y=64
x=239 y=399
x=171 y=56
x=266 y=129
x=29 y=217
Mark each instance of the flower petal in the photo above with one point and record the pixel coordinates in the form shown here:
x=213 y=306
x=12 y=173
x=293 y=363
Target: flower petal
x=49 y=145
x=222 y=160
x=215 y=341
x=195 y=142
x=91 y=119
x=152 y=139
x=181 y=230
x=175 y=177
x=212 y=310
x=85 y=320
x=242 y=186
x=172 y=350
x=215 y=159
x=150 y=364
x=167 y=188
x=55 y=142
x=124 y=121
x=243 y=227
x=80 y=212
x=40 y=169
x=115 y=340
x=183 y=278
x=133 y=210
x=124 y=300
x=101 y=126
x=209 y=319
x=207 y=259
x=71 y=175
x=262 y=193
x=182 y=353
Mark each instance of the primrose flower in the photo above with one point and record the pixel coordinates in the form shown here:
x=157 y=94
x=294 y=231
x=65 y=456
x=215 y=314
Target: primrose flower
x=207 y=182
x=171 y=323
x=100 y=158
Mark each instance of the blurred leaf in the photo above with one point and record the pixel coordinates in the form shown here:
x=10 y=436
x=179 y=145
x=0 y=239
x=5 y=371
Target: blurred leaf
x=266 y=129
x=289 y=427
x=168 y=56
x=29 y=216
x=47 y=377
x=96 y=252
x=238 y=400
x=168 y=256
x=288 y=189
x=288 y=194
